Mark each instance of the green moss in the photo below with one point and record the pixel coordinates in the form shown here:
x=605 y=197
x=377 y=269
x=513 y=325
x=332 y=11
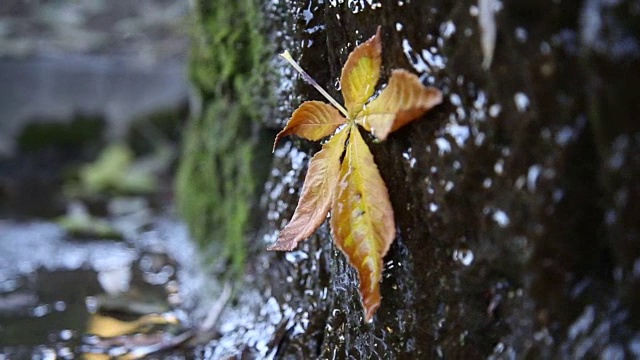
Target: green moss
x=216 y=180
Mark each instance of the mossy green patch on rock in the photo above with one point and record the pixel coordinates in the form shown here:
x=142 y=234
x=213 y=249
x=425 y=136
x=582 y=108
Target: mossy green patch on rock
x=216 y=180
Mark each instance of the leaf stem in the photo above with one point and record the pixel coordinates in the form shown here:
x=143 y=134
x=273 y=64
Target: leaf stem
x=287 y=56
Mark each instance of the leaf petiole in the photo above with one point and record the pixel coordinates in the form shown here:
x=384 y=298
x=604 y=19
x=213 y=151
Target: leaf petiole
x=287 y=56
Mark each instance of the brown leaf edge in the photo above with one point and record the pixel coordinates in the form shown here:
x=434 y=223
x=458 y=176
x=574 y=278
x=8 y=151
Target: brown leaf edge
x=403 y=100
x=312 y=120
x=316 y=195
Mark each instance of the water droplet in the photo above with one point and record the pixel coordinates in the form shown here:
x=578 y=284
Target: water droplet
x=564 y=135
x=532 y=177
x=447 y=29
x=463 y=256
x=295 y=256
x=60 y=306
x=455 y=99
x=65 y=353
x=557 y=195
x=65 y=335
x=323 y=293
x=521 y=34
x=498 y=167
x=479 y=140
x=307 y=15
x=443 y=146
x=414 y=59
x=49 y=354
x=501 y=218
x=459 y=132
x=494 y=110
x=449 y=186
x=92 y=304
x=434 y=60
x=522 y=101
x=41 y=310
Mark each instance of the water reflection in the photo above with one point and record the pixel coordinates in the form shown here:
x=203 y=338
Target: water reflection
x=61 y=303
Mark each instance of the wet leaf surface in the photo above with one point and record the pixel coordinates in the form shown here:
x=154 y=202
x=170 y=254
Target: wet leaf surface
x=360 y=74
x=362 y=221
x=317 y=194
x=313 y=120
x=403 y=100
x=362 y=217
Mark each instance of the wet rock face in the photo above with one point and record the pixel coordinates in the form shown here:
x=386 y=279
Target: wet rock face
x=515 y=200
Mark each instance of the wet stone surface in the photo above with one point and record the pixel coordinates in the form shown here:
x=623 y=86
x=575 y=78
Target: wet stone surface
x=514 y=199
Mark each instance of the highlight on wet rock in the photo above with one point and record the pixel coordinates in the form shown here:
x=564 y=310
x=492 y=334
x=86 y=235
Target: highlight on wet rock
x=343 y=178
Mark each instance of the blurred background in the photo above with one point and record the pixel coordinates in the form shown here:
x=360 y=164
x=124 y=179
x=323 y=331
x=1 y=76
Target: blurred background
x=93 y=96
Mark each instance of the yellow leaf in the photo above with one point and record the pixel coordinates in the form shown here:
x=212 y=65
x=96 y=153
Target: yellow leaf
x=313 y=120
x=362 y=221
x=317 y=193
x=402 y=101
x=360 y=74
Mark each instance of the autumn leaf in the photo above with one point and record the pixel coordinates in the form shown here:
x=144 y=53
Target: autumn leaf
x=313 y=120
x=362 y=221
x=402 y=101
x=360 y=74
x=317 y=193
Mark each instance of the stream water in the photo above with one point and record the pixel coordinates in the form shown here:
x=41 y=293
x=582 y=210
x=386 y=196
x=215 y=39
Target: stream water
x=61 y=297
